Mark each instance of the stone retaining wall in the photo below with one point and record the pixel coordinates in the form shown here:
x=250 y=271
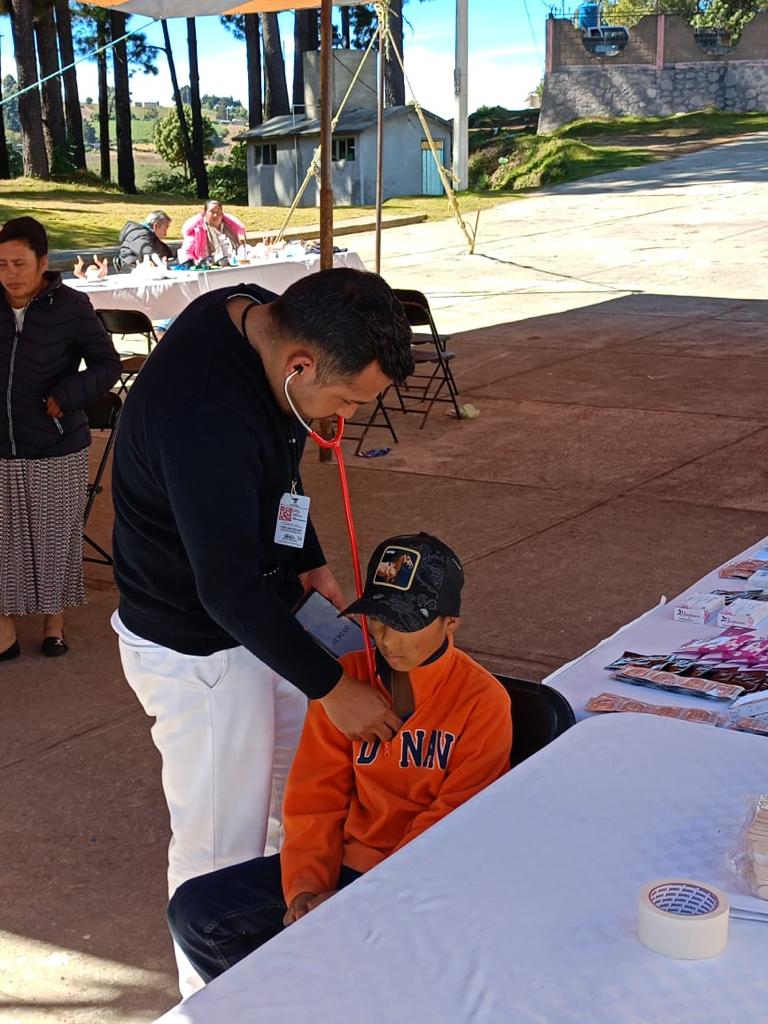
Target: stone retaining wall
x=642 y=91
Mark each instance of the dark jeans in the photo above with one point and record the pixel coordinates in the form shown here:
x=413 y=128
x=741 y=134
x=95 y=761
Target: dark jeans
x=221 y=917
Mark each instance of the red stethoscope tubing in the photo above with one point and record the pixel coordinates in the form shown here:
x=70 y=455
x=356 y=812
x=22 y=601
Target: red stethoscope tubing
x=334 y=444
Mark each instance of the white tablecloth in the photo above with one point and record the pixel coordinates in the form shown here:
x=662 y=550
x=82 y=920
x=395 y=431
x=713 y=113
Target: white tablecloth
x=656 y=632
x=168 y=297
x=520 y=907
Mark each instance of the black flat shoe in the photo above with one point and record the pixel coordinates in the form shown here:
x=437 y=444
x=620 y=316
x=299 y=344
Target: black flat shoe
x=11 y=652
x=54 y=647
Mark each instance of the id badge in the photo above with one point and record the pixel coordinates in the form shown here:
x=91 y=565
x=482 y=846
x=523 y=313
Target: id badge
x=292 y=519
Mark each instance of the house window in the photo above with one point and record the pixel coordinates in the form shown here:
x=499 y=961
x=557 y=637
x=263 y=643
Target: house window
x=343 y=149
x=265 y=155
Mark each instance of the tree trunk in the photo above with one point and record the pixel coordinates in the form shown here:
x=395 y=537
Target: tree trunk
x=276 y=93
x=5 y=168
x=253 y=56
x=186 y=142
x=394 y=82
x=73 y=117
x=105 y=170
x=54 y=129
x=126 y=174
x=305 y=38
x=345 y=28
x=30 y=112
x=198 y=149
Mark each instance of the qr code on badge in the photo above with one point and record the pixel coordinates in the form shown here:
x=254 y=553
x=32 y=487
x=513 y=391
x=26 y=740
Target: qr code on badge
x=285 y=514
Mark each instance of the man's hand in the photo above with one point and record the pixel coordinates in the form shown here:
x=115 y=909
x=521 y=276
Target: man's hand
x=324 y=582
x=360 y=711
x=78 y=270
x=303 y=903
x=53 y=408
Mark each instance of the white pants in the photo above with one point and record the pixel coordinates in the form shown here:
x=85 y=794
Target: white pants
x=227 y=728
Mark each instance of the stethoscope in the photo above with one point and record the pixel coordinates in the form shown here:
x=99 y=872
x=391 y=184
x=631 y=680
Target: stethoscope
x=334 y=444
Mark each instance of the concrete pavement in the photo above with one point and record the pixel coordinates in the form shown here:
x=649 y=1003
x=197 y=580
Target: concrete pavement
x=613 y=334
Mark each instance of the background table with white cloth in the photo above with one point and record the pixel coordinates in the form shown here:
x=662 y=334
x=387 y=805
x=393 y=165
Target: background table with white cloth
x=521 y=906
x=167 y=297
x=655 y=632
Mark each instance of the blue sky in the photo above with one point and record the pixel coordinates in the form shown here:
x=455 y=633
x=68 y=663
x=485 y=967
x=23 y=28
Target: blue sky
x=506 y=54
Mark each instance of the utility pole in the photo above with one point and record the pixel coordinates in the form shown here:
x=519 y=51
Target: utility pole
x=460 y=132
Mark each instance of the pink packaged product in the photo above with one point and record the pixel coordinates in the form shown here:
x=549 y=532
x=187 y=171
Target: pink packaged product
x=736 y=646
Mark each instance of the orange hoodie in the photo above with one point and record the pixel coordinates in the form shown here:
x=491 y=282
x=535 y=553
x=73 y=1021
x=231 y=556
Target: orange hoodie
x=355 y=803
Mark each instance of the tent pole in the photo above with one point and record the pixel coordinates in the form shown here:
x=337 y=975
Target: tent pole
x=380 y=147
x=326 y=170
x=326 y=134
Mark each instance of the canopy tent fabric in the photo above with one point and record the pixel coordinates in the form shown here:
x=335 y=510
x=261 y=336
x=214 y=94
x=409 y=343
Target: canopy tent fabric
x=202 y=8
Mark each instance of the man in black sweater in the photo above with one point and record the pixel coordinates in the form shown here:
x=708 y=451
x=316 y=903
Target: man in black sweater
x=205 y=475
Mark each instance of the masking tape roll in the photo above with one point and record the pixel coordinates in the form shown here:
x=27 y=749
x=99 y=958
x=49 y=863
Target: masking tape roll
x=683 y=919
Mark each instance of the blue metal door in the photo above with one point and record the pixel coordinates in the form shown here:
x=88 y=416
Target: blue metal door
x=431 y=185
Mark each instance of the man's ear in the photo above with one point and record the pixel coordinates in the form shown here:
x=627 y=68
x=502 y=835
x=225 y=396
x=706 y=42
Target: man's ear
x=302 y=363
x=452 y=624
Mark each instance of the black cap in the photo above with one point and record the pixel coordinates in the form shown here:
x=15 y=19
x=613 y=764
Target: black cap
x=412 y=580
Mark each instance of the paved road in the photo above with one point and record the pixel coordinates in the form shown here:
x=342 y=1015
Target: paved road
x=690 y=226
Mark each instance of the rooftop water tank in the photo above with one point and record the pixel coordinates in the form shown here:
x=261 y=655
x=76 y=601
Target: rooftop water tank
x=589 y=17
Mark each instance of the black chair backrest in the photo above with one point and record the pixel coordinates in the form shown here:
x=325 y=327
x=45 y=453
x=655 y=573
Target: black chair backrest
x=104 y=412
x=125 y=321
x=416 y=307
x=539 y=715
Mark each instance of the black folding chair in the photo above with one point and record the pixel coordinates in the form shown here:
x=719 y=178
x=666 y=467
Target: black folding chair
x=128 y=321
x=432 y=380
x=102 y=415
x=418 y=300
x=539 y=715
x=379 y=409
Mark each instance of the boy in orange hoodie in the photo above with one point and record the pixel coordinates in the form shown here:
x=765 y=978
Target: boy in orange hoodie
x=350 y=804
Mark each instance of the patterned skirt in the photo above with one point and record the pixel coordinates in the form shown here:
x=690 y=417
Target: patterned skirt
x=41 y=534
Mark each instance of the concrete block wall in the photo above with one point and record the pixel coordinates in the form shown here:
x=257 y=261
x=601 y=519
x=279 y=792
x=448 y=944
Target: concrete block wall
x=662 y=71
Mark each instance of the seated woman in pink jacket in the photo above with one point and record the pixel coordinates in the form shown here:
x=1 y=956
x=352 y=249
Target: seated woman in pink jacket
x=211 y=235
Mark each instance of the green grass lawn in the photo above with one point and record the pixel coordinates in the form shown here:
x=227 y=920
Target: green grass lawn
x=703 y=124
x=86 y=217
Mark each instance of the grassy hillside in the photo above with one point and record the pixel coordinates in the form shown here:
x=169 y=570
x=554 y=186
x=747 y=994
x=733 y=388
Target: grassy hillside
x=512 y=160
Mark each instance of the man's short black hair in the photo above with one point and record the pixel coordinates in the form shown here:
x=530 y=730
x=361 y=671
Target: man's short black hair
x=351 y=318
x=26 y=229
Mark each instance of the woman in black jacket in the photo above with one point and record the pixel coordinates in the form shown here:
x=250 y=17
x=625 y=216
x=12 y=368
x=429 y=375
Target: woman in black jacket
x=46 y=330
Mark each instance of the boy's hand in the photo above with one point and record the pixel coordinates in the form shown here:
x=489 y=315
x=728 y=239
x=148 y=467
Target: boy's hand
x=299 y=906
x=303 y=903
x=360 y=711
